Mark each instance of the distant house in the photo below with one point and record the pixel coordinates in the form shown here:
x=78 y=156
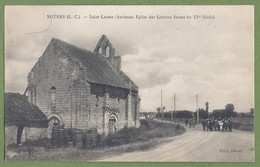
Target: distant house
x=182 y=114
x=218 y=110
x=84 y=89
x=218 y=113
x=19 y=113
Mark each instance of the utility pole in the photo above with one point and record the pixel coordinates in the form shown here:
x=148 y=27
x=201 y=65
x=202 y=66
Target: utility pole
x=197 y=97
x=173 y=109
x=172 y=113
x=161 y=106
x=174 y=102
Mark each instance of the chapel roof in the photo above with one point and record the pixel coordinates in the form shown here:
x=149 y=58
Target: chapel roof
x=99 y=70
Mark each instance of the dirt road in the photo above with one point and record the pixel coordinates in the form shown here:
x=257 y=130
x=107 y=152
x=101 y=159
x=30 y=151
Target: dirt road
x=197 y=145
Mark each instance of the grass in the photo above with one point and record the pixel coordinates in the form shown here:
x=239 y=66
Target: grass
x=148 y=136
x=149 y=129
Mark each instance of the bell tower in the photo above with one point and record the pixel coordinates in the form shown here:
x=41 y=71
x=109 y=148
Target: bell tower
x=104 y=44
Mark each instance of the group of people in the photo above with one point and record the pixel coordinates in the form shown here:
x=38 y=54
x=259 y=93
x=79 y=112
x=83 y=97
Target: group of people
x=217 y=124
x=192 y=122
x=220 y=124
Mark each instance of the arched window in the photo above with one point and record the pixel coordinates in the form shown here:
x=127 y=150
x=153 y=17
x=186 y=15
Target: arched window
x=102 y=46
x=112 y=118
x=53 y=98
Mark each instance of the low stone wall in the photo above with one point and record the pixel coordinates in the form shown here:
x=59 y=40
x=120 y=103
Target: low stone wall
x=28 y=134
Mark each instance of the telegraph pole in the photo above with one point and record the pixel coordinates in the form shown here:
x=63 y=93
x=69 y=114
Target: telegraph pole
x=197 y=97
x=161 y=107
x=173 y=109
x=172 y=113
x=174 y=102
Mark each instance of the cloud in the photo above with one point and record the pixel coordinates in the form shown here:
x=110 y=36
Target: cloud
x=16 y=75
x=211 y=58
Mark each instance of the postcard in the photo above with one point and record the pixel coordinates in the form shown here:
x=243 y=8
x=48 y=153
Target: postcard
x=132 y=83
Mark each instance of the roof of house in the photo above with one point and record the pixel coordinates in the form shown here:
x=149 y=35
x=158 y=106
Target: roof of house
x=99 y=70
x=182 y=111
x=218 y=110
x=18 y=110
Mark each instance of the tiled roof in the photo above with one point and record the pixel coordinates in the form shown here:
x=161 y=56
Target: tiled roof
x=99 y=70
x=19 y=111
x=131 y=83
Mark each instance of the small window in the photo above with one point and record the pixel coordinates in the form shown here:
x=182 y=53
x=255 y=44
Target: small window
x=53 y=95
x=31 y=74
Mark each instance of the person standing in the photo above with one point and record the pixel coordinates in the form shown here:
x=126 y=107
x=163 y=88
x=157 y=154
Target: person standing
x=186 y=122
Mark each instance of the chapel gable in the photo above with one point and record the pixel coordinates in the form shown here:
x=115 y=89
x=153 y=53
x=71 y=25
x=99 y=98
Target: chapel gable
x=106 y=48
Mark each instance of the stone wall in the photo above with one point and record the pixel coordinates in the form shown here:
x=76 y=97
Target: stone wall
x=28 y=134
x=57 y=85
x=56 y=69
x=104 y=103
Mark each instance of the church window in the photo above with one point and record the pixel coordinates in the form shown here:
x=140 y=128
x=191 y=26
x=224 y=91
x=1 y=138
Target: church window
x=53 y=98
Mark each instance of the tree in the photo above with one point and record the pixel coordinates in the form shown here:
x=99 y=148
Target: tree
x=234 y=114
x=217 y=114
x=229 y=110
x=207 y=106
x=203 y=114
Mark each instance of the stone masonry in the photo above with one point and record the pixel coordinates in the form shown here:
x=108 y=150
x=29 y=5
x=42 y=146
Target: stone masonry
x=83 y=89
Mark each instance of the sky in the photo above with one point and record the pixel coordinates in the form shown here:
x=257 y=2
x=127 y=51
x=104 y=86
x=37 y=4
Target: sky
x=185 y=56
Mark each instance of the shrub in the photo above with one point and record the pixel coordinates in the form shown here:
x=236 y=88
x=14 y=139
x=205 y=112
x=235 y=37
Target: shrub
x=149 y=129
